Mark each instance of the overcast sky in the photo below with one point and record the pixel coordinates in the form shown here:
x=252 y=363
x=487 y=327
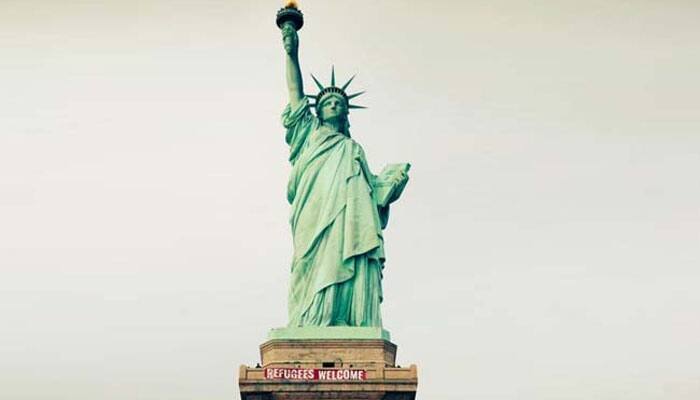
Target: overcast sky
x=547 y=246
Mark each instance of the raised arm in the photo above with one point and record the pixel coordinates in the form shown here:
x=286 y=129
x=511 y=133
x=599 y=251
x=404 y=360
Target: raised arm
x=295 y=83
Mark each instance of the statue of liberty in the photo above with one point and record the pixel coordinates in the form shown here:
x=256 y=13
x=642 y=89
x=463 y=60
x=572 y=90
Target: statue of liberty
x=338 y=207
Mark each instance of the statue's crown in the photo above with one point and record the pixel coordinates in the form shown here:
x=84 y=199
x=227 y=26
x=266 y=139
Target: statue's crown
x=333 y=89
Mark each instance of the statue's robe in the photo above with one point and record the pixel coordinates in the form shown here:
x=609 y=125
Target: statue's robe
x=338 y=211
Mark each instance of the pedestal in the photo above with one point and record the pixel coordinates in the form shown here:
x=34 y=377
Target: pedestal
x=339 y=363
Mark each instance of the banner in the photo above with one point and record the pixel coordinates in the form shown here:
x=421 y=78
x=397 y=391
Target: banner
x=312 y=374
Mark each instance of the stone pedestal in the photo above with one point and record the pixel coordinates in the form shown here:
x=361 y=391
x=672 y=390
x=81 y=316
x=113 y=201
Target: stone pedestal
x=328 y=363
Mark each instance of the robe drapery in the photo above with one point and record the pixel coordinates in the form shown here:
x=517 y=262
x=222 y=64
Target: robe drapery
x=338 y=211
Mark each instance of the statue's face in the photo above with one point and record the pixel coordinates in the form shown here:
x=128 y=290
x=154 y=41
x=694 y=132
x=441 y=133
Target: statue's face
x=333 y=108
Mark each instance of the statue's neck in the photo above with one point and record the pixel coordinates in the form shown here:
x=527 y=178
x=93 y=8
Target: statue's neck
x=334 y=125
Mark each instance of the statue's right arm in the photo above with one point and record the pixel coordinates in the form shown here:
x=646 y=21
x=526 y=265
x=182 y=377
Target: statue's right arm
x=295 y=84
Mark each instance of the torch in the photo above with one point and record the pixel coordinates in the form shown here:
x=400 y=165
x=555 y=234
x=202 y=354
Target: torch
x=290 y=14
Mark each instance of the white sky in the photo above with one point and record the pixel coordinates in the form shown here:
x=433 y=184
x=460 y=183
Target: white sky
x=546 y=248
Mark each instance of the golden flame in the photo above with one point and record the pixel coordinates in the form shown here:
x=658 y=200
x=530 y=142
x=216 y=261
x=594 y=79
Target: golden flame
x=292 y=4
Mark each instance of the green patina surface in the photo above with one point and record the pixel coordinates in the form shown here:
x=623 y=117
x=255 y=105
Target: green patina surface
x=329 y=332
x=339 y=209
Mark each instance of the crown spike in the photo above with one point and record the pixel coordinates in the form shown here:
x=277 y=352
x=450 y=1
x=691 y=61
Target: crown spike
x=352 y=96
x=320 y=87
x=351 y=106
x=332 y=75
x=348 y=82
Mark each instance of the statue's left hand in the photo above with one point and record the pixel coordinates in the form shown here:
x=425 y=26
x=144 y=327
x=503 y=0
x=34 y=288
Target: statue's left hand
x=400 y=177
x=400 y=174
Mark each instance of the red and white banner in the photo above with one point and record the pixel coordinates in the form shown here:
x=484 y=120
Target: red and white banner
x=312 y=374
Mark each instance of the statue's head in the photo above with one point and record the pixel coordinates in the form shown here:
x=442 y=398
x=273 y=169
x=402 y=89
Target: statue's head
x=333 y=103
x=331 y=107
